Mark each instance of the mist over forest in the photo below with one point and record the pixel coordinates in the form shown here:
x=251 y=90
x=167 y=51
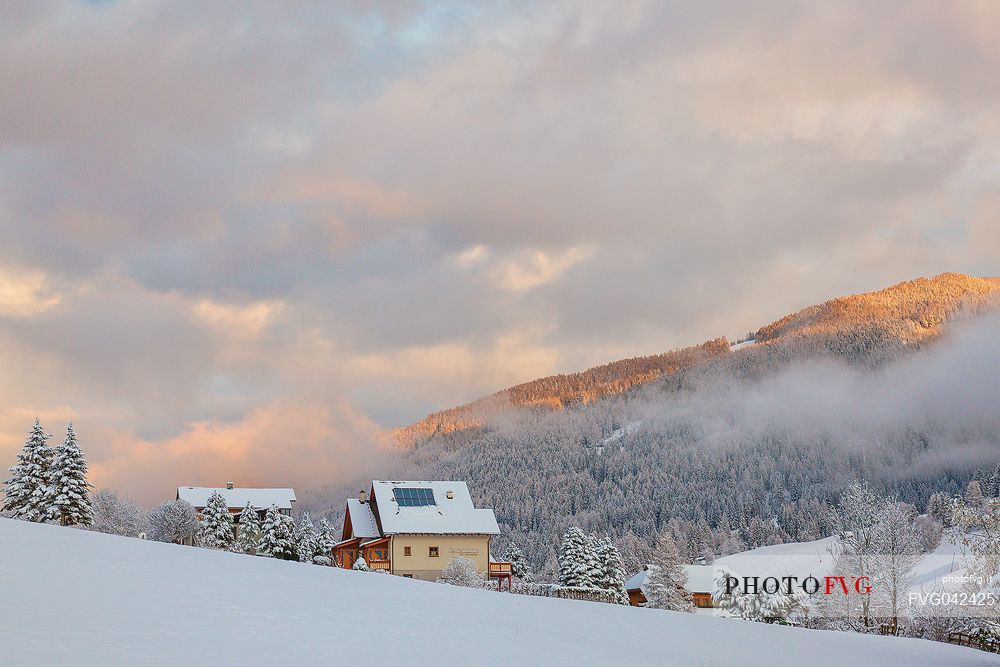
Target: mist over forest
x=753 y=447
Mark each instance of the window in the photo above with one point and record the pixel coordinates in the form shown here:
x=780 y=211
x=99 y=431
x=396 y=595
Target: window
x=407 y=551
x=407 y=576
x=432 y=552
x=407 y=497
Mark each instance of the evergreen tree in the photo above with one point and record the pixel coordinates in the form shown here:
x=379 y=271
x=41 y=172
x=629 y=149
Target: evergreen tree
x=277 y=536
x=327 y=538
x=216 y=530
x=27 y=494
x=666 y=578
x=249 y=530
x=306 y=539
x=994 y=483
x=974 y=494
x=578 y=566
x=68 y=484
x=611 y=576
x=518 y=563
x=288 y=526
x=938 y=507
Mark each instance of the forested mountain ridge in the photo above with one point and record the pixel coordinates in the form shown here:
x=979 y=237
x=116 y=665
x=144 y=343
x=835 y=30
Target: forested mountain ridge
x=558 y=391
x=747 y=447
x=852 y=326
x=911 y=311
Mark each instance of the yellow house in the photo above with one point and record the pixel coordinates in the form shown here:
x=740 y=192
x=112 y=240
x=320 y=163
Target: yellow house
x=413 y=529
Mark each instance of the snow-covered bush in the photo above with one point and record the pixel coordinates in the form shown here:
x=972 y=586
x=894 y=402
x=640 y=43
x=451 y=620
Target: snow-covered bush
x=929 y=531
x=116 y=515
x=361 y=565
x=765 y=607
x=461 y=571
x=173 y=521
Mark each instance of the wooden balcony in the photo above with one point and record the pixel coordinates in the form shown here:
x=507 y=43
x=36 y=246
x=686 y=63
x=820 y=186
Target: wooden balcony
x=379 y=565
x=499 y=569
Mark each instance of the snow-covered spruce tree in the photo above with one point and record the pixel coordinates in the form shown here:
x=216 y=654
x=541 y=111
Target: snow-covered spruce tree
x=68 y=484
x=992 y=489
x=939 y=507
x=461 y=571
x=216 y=530
x=248 y=530
x=277 y=535
x=27 y=495
x=288 y=526
x=974 y=494
x=116 y=515
x=306 y=539
x=325 y=540
x=578 y=566
x=666 y=578
x=611 y=576
x=518 y=563
x=173 y=521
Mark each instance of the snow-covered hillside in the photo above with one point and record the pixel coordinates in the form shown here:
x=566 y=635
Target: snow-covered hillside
x=75 y=597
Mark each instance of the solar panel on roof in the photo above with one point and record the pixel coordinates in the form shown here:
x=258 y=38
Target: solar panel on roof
x=413 y=497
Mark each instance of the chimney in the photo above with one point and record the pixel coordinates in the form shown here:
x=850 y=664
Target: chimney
x=362 y=496
x=451 y=495
x=229 y=485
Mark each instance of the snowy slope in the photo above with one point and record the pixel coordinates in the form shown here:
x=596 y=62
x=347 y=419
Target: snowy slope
x=797 y=559
x=71 y=596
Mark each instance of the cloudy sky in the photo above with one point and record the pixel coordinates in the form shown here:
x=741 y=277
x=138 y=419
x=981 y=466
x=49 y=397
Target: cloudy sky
x=240 y=238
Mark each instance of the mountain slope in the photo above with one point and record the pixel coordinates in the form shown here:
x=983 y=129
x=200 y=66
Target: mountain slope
x=122 y=601
x=858 y=326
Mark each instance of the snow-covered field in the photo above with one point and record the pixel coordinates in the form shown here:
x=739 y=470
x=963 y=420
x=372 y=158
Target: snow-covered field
x=74 y=597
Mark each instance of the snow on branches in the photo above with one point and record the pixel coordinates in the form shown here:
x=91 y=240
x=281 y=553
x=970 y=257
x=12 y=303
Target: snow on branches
x=49 y=484
x=216 y=530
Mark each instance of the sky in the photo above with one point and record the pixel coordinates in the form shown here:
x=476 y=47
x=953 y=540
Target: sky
x=241 y=239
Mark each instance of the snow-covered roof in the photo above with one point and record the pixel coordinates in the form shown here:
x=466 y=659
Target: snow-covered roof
x=700 y=578
x=362 y=519
x=636 y=581
x=237 y=498
x=452 y=516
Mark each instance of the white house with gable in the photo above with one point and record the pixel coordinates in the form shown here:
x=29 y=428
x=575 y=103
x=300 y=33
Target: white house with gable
x=414 y=528
x=237 y=498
